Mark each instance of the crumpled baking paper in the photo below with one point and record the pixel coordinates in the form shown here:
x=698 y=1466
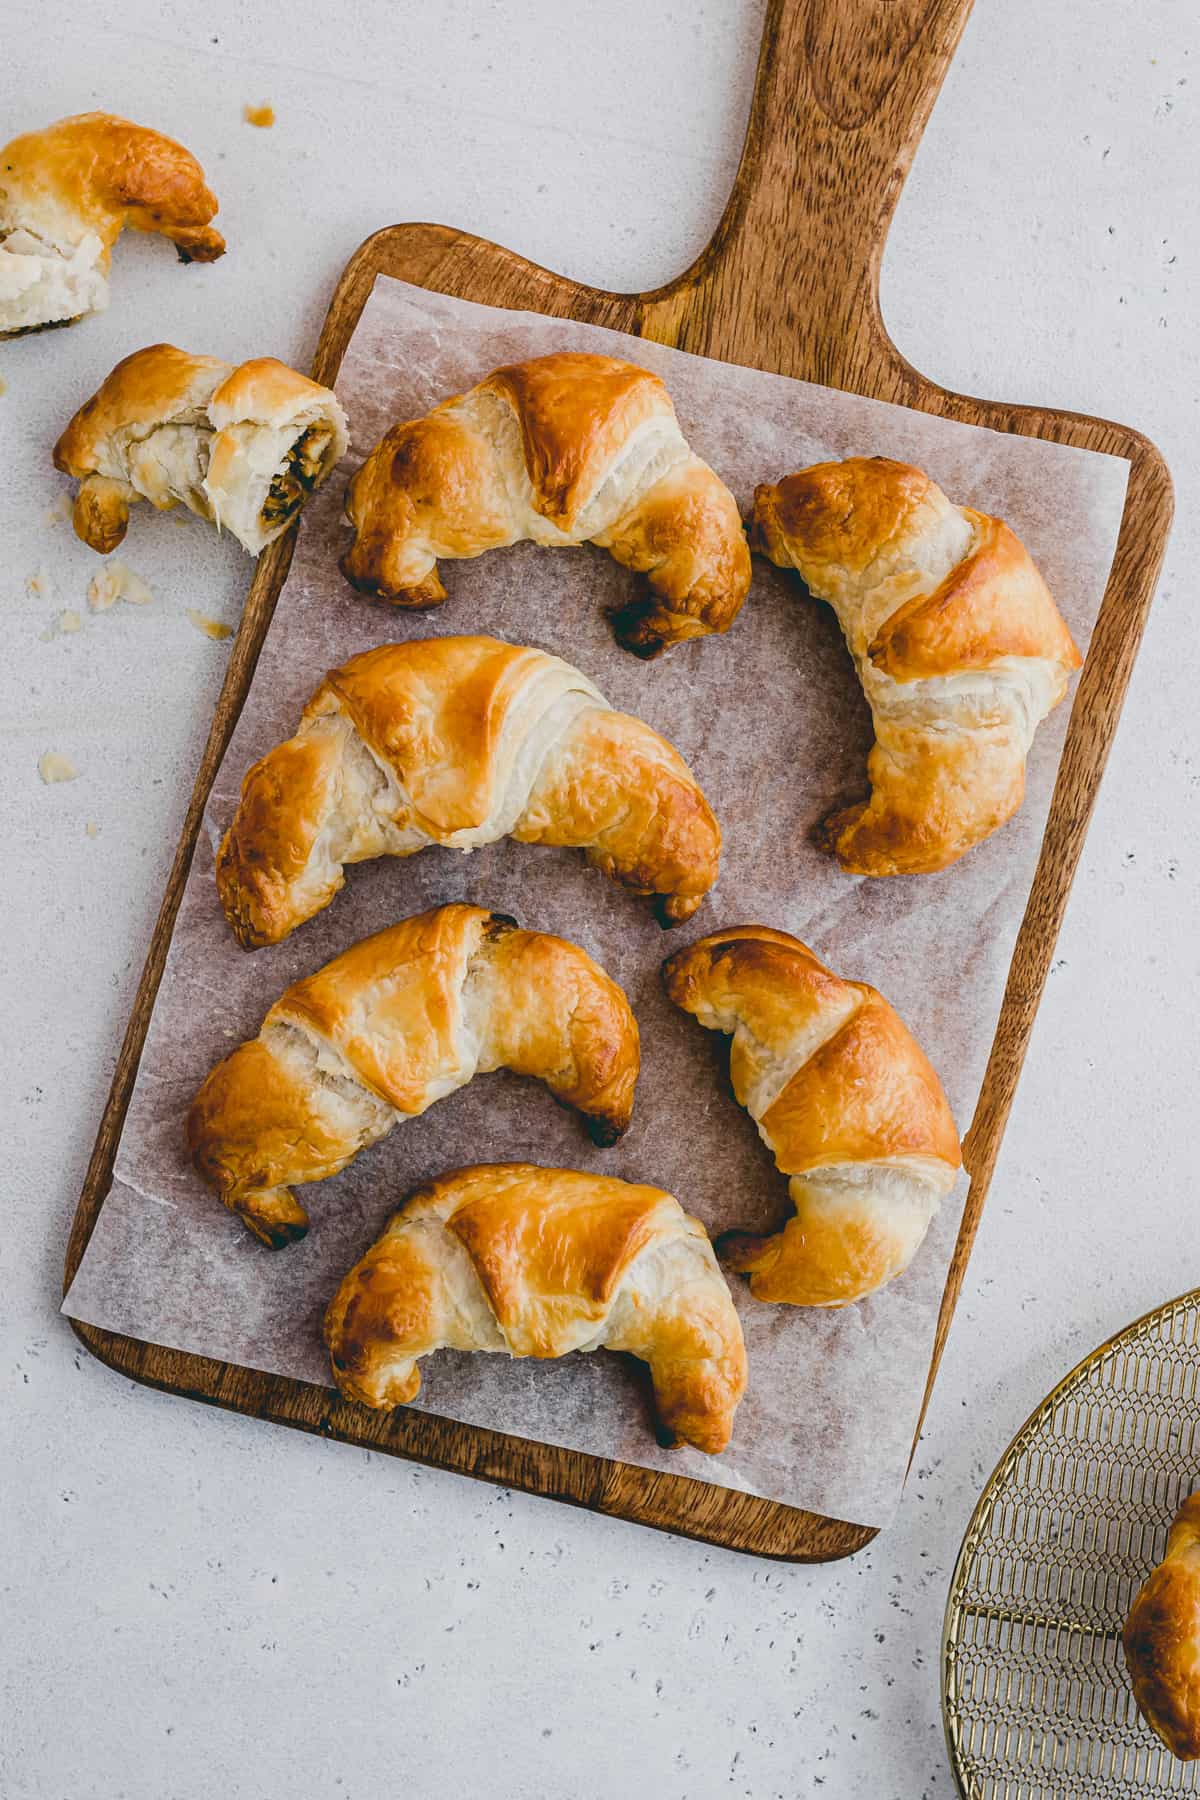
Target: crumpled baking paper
x=772 y=721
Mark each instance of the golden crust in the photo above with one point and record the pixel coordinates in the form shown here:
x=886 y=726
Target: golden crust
x=143 y=389
x=101 y=513
x=868 y=1094
x=481 y=739
x=558 y=1016
x=462 y=481
x=435 y=711
x=994 y=604
x=626 y=796
x=267 y=853
x=932 y=799
x=840 y=512
x=98 y=173
x=426 y=479
x=958 y=643
x=553 y=1267
x=392 y=1025
x=576 y=412
x=845 y=1099
x=686 y=537
x=1162 y=1639
x=258 y=1124
x=264 y=388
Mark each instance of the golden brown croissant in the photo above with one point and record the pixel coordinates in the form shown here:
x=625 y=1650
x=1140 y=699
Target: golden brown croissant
x=540 y=1262
x=565 y=449
x=399 y=1021
x=844 y=1099
x=460 y=741
x=242 y=447
x=1162 y=1639
x=67 y=193
x=960 y=649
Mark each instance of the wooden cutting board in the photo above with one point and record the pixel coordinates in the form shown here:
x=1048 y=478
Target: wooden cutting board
x=788 y=283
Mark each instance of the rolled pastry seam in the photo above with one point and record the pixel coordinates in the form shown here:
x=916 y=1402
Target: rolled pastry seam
x=241 y=447
x=393 y=1025
x=561 y=450
x=845 y=1100
x=956 y=640
x=460 y=741
x=526 y=1261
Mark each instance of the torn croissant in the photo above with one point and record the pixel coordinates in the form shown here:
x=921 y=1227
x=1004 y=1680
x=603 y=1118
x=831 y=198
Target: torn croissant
x=66 y=194
x=460 y=741
x=242 y=447
x=564 y=449
x=388 y=1028
x=843 y=1097
x=958 y=644
x=539 y=1262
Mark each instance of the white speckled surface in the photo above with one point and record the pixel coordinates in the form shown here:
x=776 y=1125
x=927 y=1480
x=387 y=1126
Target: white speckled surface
x=195 y=1605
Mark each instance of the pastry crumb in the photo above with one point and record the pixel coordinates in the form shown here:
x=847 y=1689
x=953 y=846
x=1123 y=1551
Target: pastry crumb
x=39 y=586
x=91 y=829
x=262 y=116
x=59 y=511
x=3 y=385
x=213 y=628
x=117 y=582
x=65 y=623
x=54 y=766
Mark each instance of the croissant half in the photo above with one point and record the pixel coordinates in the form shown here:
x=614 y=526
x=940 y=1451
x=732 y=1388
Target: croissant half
x=959 y=647
x=541 y=1262
x=460 y=741
x=1162 y=1639
x=564 y=449
x=67 y=193
x=242 y=447
x=845 y=1100
x=396 y=1023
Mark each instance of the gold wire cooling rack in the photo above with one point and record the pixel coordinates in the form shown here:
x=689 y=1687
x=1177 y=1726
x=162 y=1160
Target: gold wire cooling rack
x=1034 y=1692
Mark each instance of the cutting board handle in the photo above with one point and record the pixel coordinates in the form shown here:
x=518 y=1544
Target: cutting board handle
x=844 y=88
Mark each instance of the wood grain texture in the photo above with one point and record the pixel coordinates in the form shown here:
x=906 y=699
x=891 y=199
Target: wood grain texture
x=789 y=282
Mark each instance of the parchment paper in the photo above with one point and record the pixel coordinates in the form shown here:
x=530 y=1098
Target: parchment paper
x=773 y=723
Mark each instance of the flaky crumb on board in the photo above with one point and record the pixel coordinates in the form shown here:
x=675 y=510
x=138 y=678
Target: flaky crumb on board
x=92 y=829
x=54 y=766
x=262 y=116
x=59 y=511
x=213 y=628
x=66 y=623
x=39 y=586
x=117 y=582
x=3 y=385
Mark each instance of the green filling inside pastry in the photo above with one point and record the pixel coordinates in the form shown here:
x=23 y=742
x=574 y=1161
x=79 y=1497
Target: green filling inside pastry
x=298 y=476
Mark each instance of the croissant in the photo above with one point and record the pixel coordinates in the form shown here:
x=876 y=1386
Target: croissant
x=1162 y=1639
x=67 y=193
x=540 y=1262
x=844 y=1099
x=460 y=741
x=398 y=1021
x=959 y=647
x=566 y=449
x=243 y=447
